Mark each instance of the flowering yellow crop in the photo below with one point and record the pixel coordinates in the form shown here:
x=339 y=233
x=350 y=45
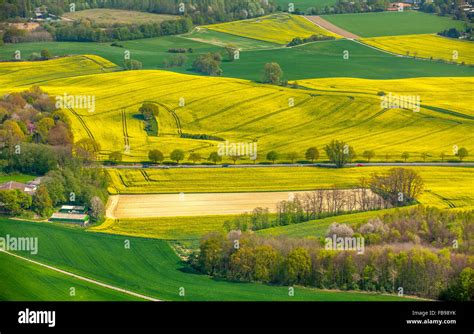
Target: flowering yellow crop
x=275 y=118
x=277 y=28
x=432 y=47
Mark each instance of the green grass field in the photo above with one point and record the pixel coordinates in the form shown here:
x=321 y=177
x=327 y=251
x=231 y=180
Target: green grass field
x=16 y=177
x=117 y=16
x=315 y=60
x=444 y=186
x=150 y=267
x=167 y=228
x=24 y=281
x=220 y=39
x=151 y=51
x=393 y=23
x=325 y=59
x=318 y=227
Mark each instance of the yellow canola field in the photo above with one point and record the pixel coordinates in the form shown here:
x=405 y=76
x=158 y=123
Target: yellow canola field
x=426 y=46
x=277 y=28
x=26 y=73
x=276 y=118
x=453 y=93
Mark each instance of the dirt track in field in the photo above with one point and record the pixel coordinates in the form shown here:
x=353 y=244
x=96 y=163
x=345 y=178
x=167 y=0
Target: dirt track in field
x=319 y=21
x=175 y=205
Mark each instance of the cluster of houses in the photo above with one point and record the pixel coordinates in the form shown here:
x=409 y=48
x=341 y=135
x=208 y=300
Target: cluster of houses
x=28 y=188
x=401 y=6
x=67 y=214
x=71 y=214
x=464 y=5
x=468 y=9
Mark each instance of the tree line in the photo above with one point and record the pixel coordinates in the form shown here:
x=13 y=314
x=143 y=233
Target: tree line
x=201 y=12
x=398 y=187
x=338 y=152
x=87 y=31
x=439 y=7
x=412 y=268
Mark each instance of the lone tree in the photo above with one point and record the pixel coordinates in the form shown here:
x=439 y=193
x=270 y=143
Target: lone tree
x=177 y=155
x=368 y=155
x=292 y=156
x=400 y=186
x=208 y=63
x=405 y=156
x=312 y=154
x=234 y=157
x=231 y=50
x=462 y=153
x=42 y=203
x=339 y=153
x=272 y=73
x=132 y=64
x=156 y=156
x=425 y=155
x=86 y=149
x=45 y=54
x=272 y=156
x=195 y=157
x=97 y=209
x=215 y=157
x=149 y=110
x=442 y=156
x=115 y=157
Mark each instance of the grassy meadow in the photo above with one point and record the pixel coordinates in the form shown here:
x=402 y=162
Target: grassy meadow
x=151 y=52
x=150 y=267
x=191 y=229
x=24 y=281
x=318 y=227
x=315 y=60
x=200 y=34
x=325 y=59
x=392 y=23
x=426 y=46
x=16 y=177
x=167 y=228
x=277 y=28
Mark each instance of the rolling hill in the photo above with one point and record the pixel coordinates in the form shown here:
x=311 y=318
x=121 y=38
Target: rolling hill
x=277 y=28
x=244 y=111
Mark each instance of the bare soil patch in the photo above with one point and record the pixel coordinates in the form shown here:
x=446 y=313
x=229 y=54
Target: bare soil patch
x=319 y=21
x=179 y=205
